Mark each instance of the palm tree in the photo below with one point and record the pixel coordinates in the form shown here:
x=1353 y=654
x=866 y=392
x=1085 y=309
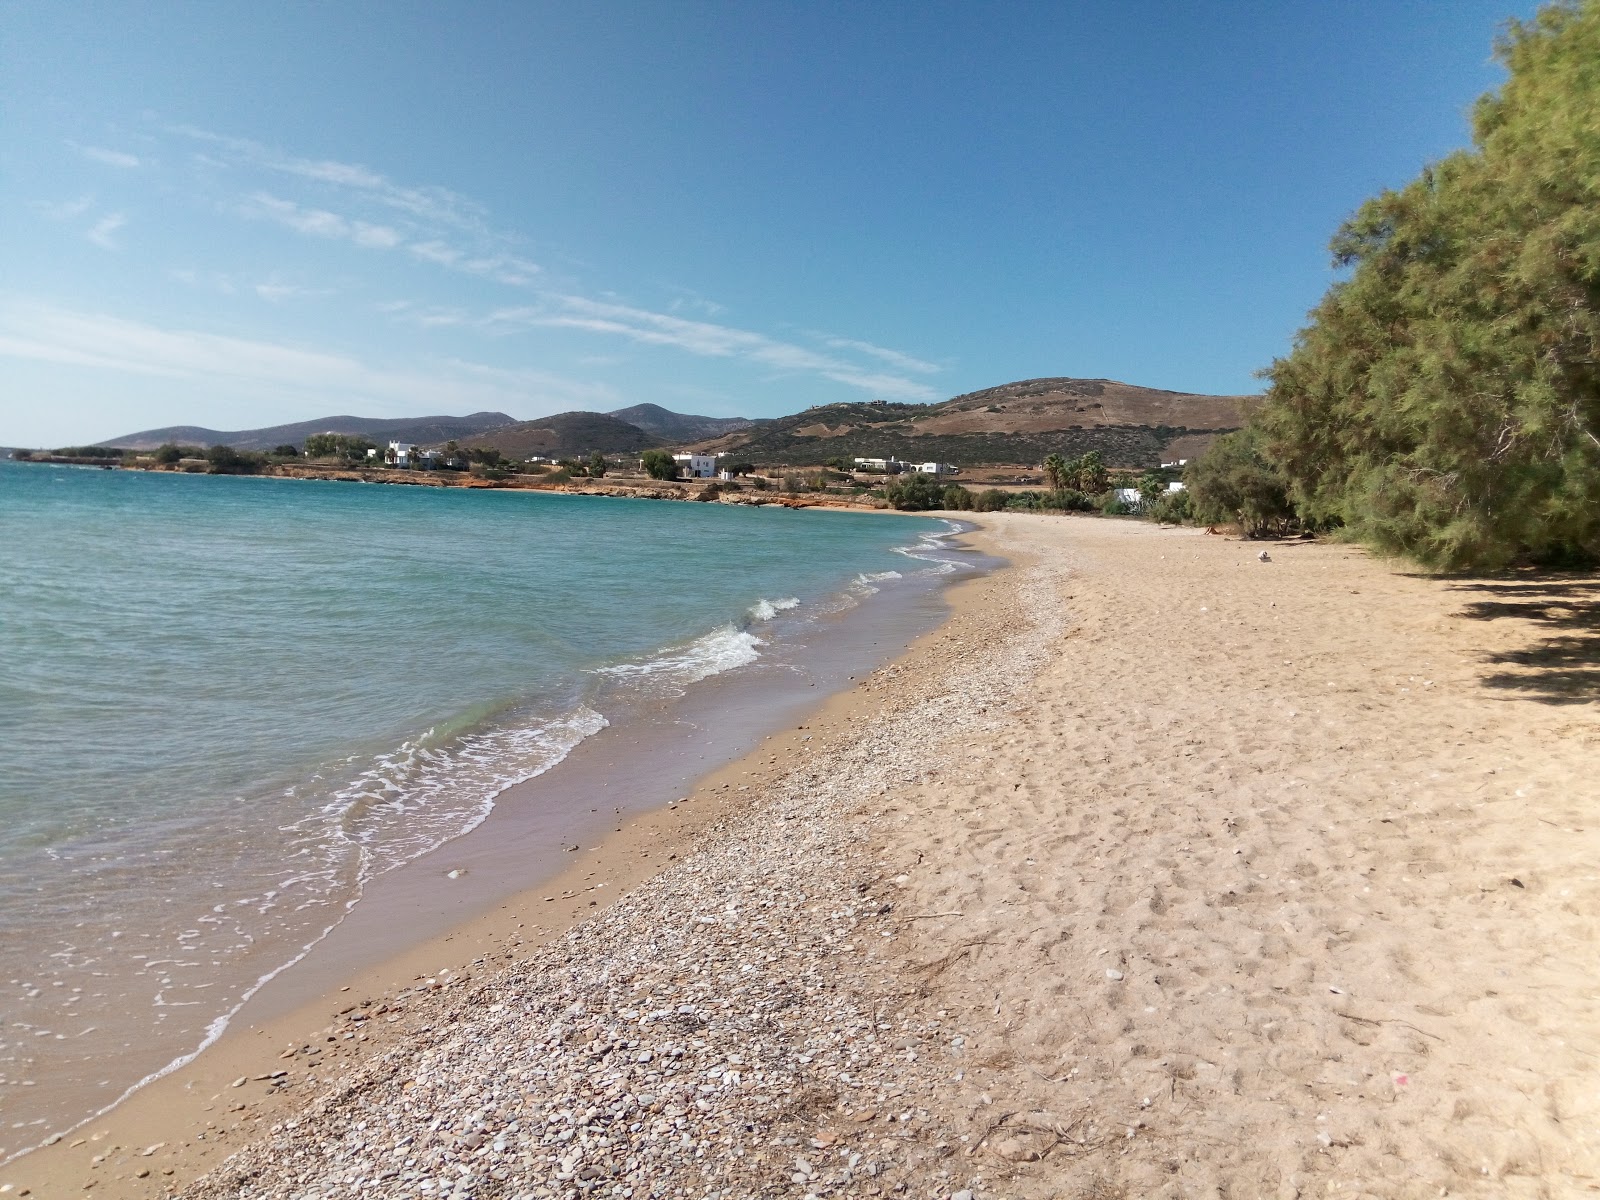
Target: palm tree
x=1055 y=470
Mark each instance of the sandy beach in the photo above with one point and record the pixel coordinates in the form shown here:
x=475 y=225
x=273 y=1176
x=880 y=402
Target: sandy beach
x=1158 y=870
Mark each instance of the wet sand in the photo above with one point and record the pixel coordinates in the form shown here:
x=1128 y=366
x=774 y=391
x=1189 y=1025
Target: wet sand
x=1158 y=870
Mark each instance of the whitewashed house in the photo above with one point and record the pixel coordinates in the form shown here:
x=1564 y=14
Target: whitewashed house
x=937 y=468
x=400 y=454
x=881 y=466
x=1175 y=486
x=696 y=466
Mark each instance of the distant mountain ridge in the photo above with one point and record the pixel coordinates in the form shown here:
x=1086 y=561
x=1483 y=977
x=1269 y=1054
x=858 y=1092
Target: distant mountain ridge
x=420 y=430
x=567 y=435
x=678 y=427
x=1019 y=422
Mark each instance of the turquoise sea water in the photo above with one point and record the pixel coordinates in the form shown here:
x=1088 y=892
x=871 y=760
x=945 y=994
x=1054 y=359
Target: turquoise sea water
x=228 y=703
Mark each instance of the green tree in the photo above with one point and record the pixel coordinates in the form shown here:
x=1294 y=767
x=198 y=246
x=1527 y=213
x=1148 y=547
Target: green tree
x=1234 y=481
x=1444 y=401
x=1089 y=475
x=597 y=465
x=287 y=450
x=1152 y=486
x=1056 y=470
x=914 y=493
x=658 y=464
x=168 y=453
x=225 y=460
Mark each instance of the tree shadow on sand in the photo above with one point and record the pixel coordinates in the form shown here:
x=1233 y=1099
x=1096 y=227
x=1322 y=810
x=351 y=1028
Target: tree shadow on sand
x=1560 y=668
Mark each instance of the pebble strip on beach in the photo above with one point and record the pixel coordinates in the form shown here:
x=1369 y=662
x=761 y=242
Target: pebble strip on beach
x=737 y=1026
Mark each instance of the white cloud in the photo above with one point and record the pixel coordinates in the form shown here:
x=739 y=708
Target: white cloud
x=110 y=158
x=274 y=291
x=436 y=205
x=319 y=222
x=64 y=210
x=230 y=367
x=705 y=339
x=100 y=233
x=894 y=358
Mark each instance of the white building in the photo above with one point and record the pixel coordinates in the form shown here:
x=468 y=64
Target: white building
x=1129 y=496
x=1174 y=487
x=400 y=454
x=881 y=466
x=937 y=469
x=696 y=466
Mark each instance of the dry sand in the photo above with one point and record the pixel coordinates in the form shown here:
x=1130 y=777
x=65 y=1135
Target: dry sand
x=1158 y=871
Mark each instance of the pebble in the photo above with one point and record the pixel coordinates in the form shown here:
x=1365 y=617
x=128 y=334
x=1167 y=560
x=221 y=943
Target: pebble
x=656 y=1049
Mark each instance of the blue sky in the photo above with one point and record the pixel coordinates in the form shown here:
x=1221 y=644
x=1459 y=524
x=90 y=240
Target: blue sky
x=235 y=214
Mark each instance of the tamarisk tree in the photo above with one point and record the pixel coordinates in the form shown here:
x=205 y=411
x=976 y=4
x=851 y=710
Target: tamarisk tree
x=1444 y=401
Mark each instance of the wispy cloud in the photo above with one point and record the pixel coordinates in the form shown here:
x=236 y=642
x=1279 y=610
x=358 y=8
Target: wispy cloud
x=100 y=233
x=64 y=210
x=255 y=369
x=110 y=158
x=436 y=205
x=706 y=339
x=320 y=222
x=275 y=292
x=902 y=362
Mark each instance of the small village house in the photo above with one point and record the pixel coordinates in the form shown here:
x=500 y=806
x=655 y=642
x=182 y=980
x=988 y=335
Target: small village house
x=696 y=466
x=880 y=466
x=400 y=454
x=937 y=469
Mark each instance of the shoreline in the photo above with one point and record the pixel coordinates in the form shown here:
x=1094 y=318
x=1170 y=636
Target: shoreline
x=645 y=841
x=636 y=489
x=1158 y=869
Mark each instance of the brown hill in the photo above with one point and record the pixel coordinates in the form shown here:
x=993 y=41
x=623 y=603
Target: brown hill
x=566 y=435
x=1039 y=405
x=1014 y=423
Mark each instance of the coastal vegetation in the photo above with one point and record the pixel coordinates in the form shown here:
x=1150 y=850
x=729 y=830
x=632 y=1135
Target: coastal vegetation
x=1443 y=403
x=658 y=464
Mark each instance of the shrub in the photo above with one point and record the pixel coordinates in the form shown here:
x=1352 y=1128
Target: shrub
x=168 y=453
x=1113 y=505
x=1234 y=481
x=989 y=500
x=1170 y=508
x=914 y=493
x=658 y=464
x=225 y=460
x=958 y=498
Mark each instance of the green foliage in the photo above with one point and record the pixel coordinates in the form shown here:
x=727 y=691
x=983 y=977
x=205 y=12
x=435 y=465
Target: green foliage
x=171 y=453
x=739 y=468
x=958 y=498
x=1444 y=401
x=1088 y=474
x=1059 y=500
x=1235 y=481
x=597 y=465
x=1113 y=505
x=225 y=460
x=914 y=493
x=287 y=450
x=1057 y=471
x=1171 y=508
x=349 y=447
x=89 y=452
x=989 y=500
x=658 y=464
x=1152 y=487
